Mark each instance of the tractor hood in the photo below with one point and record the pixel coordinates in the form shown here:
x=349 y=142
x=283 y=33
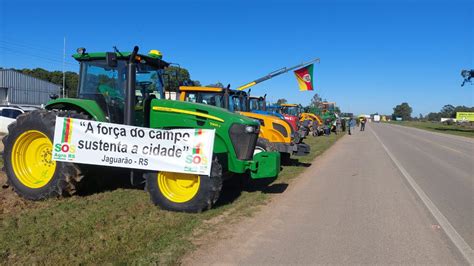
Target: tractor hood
x=88 y=107
x=209 y=112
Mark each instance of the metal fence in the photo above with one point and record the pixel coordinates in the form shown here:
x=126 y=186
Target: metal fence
x=18 y=88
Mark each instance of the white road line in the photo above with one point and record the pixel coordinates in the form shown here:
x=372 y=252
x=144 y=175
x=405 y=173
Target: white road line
x=453 y=235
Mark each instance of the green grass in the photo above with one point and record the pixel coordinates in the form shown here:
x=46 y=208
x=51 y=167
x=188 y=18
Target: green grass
x=458 y=130
x=122 y=226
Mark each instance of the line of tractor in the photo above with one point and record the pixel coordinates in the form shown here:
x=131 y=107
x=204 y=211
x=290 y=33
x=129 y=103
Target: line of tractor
x=127 y=88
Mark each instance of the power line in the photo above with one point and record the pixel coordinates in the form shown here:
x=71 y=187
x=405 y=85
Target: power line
x=30 y=46
x=49 y=53
x=15 y=52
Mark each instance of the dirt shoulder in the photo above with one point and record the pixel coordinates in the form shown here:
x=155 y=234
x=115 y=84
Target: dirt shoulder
x=9 y=200
x=1 y=143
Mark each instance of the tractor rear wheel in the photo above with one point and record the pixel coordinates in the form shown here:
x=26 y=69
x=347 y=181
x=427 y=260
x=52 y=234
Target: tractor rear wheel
x=185 y=192
x=28 y=157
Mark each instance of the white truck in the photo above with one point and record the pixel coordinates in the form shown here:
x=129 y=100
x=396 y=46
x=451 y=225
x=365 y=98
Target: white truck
x=377 y=118
x=9 y=113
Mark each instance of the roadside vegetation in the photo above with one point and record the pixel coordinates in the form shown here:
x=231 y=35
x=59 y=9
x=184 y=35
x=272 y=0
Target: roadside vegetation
x=122 y=225
x=466 y=130
x=432 y=120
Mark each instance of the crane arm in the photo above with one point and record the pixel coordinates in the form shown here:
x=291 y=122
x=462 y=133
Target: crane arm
x=274 y=74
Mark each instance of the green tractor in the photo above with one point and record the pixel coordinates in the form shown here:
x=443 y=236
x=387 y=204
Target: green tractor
x=127 y=88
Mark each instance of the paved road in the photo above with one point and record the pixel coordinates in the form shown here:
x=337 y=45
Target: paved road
x=442 y=165
x=355 y=205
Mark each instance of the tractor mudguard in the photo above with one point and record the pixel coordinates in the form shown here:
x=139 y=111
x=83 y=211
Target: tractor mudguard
x=265 y=165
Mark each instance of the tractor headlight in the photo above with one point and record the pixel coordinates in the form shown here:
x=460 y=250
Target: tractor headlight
x=251 y=129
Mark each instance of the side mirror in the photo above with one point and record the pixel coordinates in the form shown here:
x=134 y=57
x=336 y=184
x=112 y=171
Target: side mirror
x=53 y=96
x=111 y=59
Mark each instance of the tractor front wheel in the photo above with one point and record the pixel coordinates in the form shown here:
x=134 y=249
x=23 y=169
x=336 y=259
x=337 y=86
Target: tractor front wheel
x=28 y=157
x=185 y=192
x=264 y=145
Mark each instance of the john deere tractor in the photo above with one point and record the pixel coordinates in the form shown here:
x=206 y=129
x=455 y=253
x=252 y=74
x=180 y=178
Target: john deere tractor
x=127 y=88
x=275 y=134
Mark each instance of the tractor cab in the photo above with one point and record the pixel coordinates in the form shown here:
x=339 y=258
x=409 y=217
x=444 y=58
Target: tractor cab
x=104 y=77
x=234 y=101
x=291 y=109
x=237 y=101
x=258 y=105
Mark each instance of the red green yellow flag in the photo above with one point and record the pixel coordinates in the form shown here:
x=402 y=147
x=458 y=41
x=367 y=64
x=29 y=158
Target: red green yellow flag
x=304 y=76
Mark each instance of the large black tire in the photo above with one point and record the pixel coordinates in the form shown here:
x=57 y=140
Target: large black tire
x=206 y=196
x=66 y=176
x=264 y=145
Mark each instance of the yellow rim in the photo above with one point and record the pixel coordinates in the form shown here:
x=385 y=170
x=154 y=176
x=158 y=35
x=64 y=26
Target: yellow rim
x=32 y=159
x=178 y=187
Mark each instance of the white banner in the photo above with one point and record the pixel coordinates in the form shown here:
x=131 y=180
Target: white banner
x=107 y=144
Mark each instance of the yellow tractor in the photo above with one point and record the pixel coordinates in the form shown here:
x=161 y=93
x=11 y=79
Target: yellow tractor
x=275 y=134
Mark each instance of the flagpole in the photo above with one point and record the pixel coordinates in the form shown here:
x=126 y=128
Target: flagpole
x=64 y=68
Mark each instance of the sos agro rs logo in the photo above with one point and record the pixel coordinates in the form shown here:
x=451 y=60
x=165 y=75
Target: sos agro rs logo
x=197 y=160
x=65 y=150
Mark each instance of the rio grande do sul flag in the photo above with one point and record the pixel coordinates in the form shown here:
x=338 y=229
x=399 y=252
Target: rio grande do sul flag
x=304 y=76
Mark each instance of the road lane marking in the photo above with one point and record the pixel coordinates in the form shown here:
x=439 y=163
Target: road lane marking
x=453 y=235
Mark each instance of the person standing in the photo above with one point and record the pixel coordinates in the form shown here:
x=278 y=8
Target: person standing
x=343 y=124
x=362 y=124
x=327 y=127
x=350 y=123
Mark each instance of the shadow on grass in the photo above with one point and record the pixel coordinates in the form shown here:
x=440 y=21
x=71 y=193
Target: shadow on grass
x=294 y=162
x=233 y=188
x=99 y=179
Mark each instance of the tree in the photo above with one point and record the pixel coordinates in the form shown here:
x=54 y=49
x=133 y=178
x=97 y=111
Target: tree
x=281 y=101
x=433 y=116
x=216 y=85
x=402 y=110
x=447 y=111
x=175 y=77
x=315 y=101
x=55 y=77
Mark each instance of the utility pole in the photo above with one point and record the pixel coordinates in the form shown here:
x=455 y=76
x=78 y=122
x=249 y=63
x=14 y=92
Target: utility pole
x=64 y=68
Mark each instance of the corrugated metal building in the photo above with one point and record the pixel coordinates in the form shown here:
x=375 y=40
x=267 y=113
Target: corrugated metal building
x=18 y=88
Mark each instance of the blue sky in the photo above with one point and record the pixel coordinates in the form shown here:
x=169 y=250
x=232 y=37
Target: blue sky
x=374 y=54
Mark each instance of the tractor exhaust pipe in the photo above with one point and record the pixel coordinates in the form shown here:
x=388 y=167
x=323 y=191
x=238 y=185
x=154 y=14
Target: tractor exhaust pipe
x=129 y=110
